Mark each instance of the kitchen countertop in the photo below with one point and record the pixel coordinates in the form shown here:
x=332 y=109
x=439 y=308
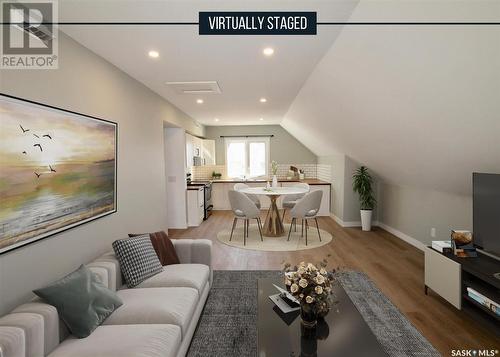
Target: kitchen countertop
x=308 y=181
x=194 y=187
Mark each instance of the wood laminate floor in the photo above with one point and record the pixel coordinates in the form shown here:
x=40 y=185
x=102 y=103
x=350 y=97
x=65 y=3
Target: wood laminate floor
x=395 y=266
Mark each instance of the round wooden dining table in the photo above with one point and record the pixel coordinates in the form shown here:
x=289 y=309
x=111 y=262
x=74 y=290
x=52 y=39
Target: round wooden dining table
x=273 y=226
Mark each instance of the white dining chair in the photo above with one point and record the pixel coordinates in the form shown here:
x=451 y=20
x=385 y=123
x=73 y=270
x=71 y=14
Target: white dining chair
x=306 y=208
x=255 y=199
x=289 y=201
x=244 y=208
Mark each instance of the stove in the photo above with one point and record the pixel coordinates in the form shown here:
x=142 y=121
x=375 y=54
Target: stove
x=207 y=185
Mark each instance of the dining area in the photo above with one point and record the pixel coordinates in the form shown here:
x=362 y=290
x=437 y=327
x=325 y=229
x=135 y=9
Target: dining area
x=275 y=218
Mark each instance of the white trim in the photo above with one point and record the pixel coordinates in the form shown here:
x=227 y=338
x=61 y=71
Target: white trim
x=247 y=140
x=349 y=224
x=410 y=240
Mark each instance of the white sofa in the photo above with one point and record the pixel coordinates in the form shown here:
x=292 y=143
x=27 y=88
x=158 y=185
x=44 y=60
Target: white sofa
x=157 y=318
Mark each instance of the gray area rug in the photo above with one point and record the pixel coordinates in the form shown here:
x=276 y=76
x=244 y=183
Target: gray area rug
x=228 y=325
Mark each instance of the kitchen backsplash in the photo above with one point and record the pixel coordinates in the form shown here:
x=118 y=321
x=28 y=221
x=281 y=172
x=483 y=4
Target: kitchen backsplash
x=319 y=171
x=324 y=172
x=205 y=172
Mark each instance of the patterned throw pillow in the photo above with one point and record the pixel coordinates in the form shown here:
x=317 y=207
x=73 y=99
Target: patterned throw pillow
x=138 y=259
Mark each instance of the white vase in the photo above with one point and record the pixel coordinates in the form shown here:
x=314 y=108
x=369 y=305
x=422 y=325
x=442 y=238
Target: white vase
x=275 y=181
x=366 y=219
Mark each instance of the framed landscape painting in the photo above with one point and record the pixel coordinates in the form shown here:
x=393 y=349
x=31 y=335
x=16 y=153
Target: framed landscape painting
x=57 y=170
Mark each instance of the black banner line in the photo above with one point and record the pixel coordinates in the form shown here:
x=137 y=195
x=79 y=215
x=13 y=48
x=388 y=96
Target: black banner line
x=319 y=23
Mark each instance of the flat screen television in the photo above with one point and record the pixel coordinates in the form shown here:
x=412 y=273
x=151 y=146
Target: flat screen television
x=486 y=212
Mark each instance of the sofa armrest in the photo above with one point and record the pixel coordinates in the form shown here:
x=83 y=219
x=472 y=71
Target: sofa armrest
x=195 y=251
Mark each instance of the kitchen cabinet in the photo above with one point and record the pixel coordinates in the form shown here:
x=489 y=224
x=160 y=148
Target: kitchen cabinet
x=204 y=148
x=197 y=146
x=195 y=206
x=208 y=151
x=220 y=198
x=189 y=150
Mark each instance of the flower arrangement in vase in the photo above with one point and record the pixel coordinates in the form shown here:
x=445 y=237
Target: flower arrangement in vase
x=274 y=170
x=312 y=287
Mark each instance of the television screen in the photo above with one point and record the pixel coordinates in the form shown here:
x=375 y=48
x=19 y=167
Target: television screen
x=486 y=212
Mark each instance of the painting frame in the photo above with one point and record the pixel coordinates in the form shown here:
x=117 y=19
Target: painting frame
x=57 y=231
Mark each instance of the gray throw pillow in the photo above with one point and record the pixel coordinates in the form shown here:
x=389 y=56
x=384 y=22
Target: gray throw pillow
x=138 y=259
x=81 y=300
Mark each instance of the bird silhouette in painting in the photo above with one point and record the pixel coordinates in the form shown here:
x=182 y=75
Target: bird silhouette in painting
x=36 y=136
x=38 y=175
x=47 y=136
x=39 y=146
x=25 y=153
x=51 y=169
x=24 y=130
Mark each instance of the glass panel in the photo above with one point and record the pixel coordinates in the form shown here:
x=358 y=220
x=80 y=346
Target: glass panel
x=236 y=159
x=257 y=157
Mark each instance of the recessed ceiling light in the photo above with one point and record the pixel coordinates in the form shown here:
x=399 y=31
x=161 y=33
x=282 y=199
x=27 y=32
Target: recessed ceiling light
x=216 y=119
x=268 y=51
x=153 y=54
x=199 y=101
x=261 y=119
x=263 y=100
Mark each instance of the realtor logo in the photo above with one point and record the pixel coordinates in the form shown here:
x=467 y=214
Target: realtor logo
x=28 y=35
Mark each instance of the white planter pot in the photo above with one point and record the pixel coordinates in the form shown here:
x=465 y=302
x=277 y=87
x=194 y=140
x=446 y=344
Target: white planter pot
x=275 y=181
x=366 y=219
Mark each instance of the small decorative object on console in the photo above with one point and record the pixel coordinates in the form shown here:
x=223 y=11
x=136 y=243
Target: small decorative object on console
x=442 y=246
x=312 y=287
x=462 y=244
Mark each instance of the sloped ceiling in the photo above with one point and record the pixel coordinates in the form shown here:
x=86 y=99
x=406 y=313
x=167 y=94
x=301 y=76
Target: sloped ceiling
x=420 y=105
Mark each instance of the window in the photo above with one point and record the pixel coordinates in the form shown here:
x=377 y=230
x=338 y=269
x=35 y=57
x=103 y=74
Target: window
x=247 y=157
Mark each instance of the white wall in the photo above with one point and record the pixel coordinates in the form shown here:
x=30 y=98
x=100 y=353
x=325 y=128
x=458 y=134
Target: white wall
x=345 y=202
x=415 y=211
x=86 y=83
x=416 y=104
x=284 y=148
x=175 y=168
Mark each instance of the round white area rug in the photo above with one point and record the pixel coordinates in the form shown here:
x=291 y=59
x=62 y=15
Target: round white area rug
x=274 y=244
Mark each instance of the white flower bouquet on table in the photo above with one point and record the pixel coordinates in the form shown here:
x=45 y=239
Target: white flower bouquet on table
x=312 y=287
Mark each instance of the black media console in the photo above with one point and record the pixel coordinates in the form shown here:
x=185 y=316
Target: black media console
x=481 y=274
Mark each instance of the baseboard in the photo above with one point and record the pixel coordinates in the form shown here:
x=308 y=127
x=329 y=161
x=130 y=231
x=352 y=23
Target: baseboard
x=349 y=224
x=410 y=240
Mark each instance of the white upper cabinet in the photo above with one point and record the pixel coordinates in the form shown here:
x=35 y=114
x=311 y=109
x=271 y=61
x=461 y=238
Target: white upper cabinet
x=208 y=151
x=189 y=150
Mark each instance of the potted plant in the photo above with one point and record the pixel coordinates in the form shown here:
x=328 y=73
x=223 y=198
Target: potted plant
x=362 y=184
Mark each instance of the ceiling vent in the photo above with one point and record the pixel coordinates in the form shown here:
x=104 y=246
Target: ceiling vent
x=205 y=87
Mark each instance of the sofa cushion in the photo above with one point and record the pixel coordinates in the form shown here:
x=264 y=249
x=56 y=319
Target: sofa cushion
x=179 y=275
x=12 y=342
x=138 y=259
x=32 y=325
x=124 y=341
x=54 y=330
x=81 y=300
x=163 y=246
x=155 y=306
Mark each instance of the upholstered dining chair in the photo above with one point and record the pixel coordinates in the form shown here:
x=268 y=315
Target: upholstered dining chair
x=255 y=199
x=290 y=200
x=306 y=208
x=244 y=208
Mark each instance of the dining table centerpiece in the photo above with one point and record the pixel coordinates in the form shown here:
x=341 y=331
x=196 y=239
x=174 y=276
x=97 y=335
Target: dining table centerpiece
x=312 y=285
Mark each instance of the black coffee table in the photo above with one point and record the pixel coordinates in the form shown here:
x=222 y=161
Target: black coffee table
x=344 y=333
